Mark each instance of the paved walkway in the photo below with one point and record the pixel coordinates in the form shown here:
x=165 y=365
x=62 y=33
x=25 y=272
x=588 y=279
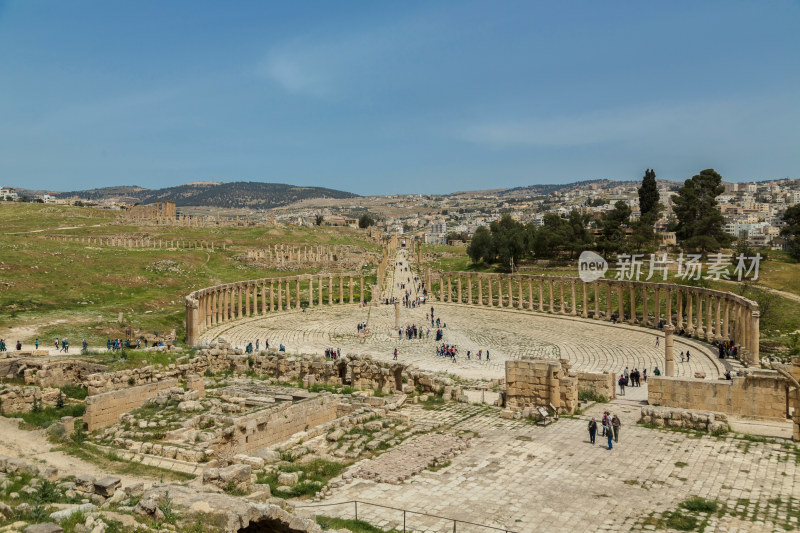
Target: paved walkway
x=528 y=478
x=506 y=334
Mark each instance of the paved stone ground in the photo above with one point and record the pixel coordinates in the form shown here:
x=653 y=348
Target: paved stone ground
x=527 y=478
x=588 y=345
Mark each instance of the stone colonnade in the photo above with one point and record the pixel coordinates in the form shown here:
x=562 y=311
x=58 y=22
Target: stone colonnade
x=706 y=314
x=206 y=308
x=283 y=253
x=140 y=242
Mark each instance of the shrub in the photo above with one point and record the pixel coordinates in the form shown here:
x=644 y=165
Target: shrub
x=700 y=505
x=591 y=396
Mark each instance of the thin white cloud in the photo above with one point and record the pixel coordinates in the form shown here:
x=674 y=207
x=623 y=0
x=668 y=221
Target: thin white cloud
x=327 y=67
x=626 y=124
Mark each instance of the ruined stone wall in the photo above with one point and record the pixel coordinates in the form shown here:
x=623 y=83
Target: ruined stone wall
x=601 y=384
x=683 y=418
x=358 y=371
x=761 y=394
x=539 y=383
x=104 y=409
x=57 y=373
x=20 y=399
x=271 y=426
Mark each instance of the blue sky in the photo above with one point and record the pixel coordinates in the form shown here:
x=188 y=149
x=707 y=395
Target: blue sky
x=395 y=97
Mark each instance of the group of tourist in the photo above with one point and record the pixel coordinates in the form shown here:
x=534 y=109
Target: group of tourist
x=726 y=349
x=632 y=379
x=3 y=345
x=334 y=353
x=610 y=426
x=413 y=332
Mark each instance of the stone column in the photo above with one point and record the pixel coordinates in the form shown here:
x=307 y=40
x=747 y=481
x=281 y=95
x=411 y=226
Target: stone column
x=510 y=291
x=596 y=300
x=530 y=293
x=480 y=289
x=428 y=285
x=263 y=297
x=541 y=295
x=755 y=358
x=585 y=310
x=491 y=296
x=521 y=297
x=217 y=308
x=239 y=293
x=449 y=296
x=645 y=310
x=280 y=293
x=717 y=321
x=341 y=289
x=632 y=297
x=458 y=279
x=554 y=384
x=351 y=288
x=669 y=306
x=700 y=331
x=311 y=290
x=574 y=309
x=469 y=289
x=726 y=320
x=561 y=295
x=247 y=302
x=669 y=363
x=657 y=302
x=608 y=300
x=298 y=303
x=552 y=299
x=330 y=289
x=690 y=313
x=709 y=320
x=499 y=291
x=192 y=321
x=620 y=304
x=320 y=283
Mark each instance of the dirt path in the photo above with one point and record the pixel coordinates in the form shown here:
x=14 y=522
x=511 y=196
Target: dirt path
x=33 y=447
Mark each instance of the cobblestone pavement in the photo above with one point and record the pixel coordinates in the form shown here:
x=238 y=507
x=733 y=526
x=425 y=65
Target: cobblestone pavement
x=523 y=477
x=588 y=345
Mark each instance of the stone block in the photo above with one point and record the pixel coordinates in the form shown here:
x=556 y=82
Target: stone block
x=44 y=527
x=107 y=486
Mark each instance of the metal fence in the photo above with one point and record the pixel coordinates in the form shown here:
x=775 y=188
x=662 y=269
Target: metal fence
x=406 y=512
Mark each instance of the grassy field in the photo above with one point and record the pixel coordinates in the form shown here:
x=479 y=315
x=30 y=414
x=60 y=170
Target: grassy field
x=75 y=290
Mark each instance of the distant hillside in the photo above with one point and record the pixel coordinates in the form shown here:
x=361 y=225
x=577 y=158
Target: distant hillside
x=237 y=194
x=118 y=193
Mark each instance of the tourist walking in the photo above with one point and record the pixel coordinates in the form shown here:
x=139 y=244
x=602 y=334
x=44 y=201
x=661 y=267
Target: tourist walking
x=658 y=339
x=395 y=354
x=609 y=434
x=687 y=356
x=592 y=430
x=615 y=425
x=621 y=383
x=682 y=356
x=36 y=344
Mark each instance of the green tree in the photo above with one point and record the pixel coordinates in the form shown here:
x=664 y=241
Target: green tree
x=318 y=220
x=792 y=230
x=700 y=223
x=508 y=240
x=480 y=246
x=612 y=228
x=365 y=221
x=648 y=194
